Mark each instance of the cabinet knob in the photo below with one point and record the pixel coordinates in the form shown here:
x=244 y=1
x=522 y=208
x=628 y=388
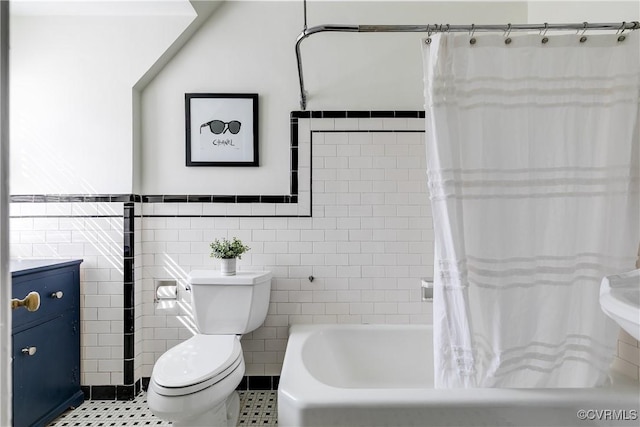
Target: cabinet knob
x=58 y=294
x=29 y=351
x=31 y=302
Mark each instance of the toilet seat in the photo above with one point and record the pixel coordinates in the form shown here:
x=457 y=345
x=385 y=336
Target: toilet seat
x=198 y=363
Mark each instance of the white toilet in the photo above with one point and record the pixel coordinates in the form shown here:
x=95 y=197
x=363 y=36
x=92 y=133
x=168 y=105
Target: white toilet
x=193 y=384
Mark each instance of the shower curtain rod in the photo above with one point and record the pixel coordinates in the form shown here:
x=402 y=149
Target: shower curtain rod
x=428 y=29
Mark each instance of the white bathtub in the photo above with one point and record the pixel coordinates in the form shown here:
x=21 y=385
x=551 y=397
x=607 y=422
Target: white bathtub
x=382 y=375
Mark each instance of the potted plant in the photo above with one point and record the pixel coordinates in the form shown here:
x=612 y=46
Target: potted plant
x=228 y=251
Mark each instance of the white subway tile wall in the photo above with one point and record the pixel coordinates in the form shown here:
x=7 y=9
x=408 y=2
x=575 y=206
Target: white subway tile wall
x=369 y=242
x=94 y=233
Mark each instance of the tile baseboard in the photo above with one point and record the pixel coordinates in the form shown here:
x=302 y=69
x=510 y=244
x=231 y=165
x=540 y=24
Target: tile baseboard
x=129 y=392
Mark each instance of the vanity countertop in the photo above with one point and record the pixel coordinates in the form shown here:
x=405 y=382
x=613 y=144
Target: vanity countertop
x=19 y=267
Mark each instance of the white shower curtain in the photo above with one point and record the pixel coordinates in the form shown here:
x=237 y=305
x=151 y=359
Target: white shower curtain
x=532 y=152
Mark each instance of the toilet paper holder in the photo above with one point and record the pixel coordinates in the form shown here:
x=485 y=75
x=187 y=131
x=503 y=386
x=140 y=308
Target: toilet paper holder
x=166 y=290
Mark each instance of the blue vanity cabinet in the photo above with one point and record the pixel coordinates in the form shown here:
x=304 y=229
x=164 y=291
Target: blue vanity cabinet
x=46 y=342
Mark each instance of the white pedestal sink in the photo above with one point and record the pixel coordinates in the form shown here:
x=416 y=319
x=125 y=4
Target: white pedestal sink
x=620 y=300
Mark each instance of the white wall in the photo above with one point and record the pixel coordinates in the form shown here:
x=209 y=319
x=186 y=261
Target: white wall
x=248 y=47
x=71 y=98
x=581 y=11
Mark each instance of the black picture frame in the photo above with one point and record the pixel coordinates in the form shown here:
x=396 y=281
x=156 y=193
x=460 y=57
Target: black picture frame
x=221 y=129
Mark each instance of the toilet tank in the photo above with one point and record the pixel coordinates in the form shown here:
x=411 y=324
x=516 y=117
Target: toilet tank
x=229 y=304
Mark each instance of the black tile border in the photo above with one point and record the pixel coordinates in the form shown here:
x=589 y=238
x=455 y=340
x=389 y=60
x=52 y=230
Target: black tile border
x=75 y=198
x=113 y=392
x=213 y=198
x=248 y=383
x=128 y=253
x=160 y=198
x=359 y=114
x=203 y=198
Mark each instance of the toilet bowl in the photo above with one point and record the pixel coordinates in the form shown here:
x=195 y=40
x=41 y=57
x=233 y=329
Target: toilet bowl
x=193 y=384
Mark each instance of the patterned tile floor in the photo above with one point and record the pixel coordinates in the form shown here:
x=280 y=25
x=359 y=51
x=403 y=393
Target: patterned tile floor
x=257 y=408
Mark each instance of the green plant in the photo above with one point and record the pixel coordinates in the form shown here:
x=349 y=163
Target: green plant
x=228 y=248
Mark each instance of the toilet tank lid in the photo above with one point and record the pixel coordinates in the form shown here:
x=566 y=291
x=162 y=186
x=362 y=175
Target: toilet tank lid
x=213 y=277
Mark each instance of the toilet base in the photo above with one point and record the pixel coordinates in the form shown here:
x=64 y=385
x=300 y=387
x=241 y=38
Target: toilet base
x=225 y=414
x=217 y=405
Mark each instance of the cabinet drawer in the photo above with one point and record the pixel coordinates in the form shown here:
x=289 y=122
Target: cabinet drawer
x=64 y=282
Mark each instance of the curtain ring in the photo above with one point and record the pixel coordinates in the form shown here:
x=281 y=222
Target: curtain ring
x=546 y=28
x=545 y=39
x=428 y=31
x=448 y=28
x=506 y=34
x=471 y=33
x=508 y=30
x=584 y=28
x=583 y=38
x=621 y=38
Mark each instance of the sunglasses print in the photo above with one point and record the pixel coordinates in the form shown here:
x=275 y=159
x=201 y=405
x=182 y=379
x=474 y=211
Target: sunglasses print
x=218 y=126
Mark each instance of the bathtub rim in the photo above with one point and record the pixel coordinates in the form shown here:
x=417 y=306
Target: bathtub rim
x=303 y=390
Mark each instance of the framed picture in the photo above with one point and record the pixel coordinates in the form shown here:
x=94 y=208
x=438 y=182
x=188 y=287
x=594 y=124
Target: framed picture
x=222 y=129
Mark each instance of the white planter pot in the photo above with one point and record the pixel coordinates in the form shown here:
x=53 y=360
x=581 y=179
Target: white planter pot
x=228 y=266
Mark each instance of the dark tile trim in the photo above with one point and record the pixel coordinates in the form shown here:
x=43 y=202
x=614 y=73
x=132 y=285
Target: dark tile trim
x=407 y=114
x=103 y=392
x=111 y=392
x=224 y=199
x=247 y=199
x=358 y=114
x=260 y=382
x=86 y=390
x=74 y=198
x=65 y=216
x=151 y=199
x=244 y=384
x=383 y=114
x=247 y=383
x=145 y=383
x=228 y=216
x=175 y=198
x=127 y=391
x=156 y=198
x=334 y=114
x=363 y=114
x=300 y=115
x=199 y=199
x=294 y=160
x=369 y=131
